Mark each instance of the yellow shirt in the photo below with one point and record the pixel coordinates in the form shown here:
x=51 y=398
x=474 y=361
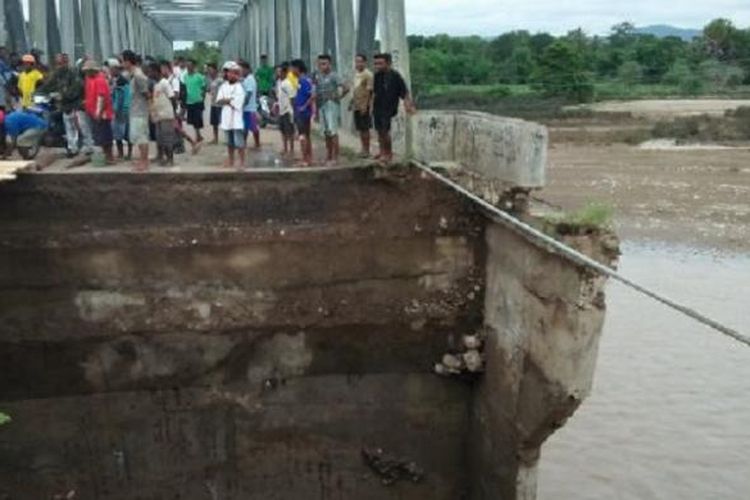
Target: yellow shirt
x=293 y=80
x=27 y=82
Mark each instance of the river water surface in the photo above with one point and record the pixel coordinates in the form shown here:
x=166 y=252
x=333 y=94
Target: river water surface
x=669 y=417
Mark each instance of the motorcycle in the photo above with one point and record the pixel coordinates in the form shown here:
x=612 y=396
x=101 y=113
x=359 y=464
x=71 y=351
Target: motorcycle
x=30 y=142
x=265 y=109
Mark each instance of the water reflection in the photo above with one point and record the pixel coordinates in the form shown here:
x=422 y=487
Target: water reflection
x=670 y=414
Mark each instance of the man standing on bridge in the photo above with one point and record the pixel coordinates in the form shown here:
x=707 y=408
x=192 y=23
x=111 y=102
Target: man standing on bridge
x=195 y=98
x=98 y=105
x=64 y=84
x=250 y=112
x=330 y=90
x=140 y=96
x=390 y=88
x=265 y=76
x=361 y=103
x=231 y=98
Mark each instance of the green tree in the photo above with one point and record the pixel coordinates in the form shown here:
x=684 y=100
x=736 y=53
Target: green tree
x=428 y=67
x=501 y=48
x=685 y=78
x=521 y=64
x=562 y=72
x=622 y=35
x=203 y=53
x=656 y=55
x=720 y=75
x=721 y=37
x=630 y=73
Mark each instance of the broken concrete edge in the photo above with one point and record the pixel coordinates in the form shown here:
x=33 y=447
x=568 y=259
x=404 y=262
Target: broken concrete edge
x=531 y=375
x=9 y=170
x=572 y=229
x=544 y=318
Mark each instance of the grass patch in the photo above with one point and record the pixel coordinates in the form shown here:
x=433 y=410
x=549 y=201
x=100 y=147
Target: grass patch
x=593 y=217
x=5 y=418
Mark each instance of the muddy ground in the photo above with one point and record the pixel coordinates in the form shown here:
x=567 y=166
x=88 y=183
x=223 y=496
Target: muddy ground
x=694 y=195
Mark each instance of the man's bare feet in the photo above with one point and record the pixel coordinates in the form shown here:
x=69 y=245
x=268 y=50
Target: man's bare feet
x=140 y=166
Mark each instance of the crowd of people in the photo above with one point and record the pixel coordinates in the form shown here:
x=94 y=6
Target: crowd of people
x=129 y=102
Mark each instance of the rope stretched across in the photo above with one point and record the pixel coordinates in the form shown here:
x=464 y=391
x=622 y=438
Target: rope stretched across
x=581 y=259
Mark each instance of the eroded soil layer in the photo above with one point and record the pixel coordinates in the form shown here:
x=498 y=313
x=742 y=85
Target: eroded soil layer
x=234 y=336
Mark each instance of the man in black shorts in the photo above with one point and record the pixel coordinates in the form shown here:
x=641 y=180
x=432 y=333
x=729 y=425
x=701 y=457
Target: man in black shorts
x=389 y=89
x=303 y=109
x=361 y=103
x=196 y=87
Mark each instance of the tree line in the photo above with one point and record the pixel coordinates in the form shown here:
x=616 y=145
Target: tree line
x=571 y=64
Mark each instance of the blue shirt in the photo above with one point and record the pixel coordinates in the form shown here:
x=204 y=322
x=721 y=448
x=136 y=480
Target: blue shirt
x=304 y=93
x=19 y=122
x=251 y=94
x=121 y=100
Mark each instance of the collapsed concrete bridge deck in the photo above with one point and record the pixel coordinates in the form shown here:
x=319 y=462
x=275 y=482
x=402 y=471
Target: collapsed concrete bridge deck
x=274 y=334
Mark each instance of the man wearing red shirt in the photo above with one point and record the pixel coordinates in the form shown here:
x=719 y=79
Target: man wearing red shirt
x=98 y=104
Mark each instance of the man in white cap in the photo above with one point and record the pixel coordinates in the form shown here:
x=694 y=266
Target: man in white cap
x=231 y=98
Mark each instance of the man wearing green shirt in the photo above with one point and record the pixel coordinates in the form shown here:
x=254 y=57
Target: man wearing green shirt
x=195 y=87
x=265 y=76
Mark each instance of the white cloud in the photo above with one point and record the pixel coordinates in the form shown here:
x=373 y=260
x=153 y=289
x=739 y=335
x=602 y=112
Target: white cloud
x=492 y=17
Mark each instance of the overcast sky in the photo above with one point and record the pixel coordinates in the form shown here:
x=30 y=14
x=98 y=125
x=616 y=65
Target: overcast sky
x=492 y=17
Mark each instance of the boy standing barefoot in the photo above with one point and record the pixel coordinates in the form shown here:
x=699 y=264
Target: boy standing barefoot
x=329 y=92
x=285 y=93
x=303 y=110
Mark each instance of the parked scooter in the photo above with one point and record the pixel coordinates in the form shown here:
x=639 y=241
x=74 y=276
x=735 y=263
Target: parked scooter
x=32 y=135
x=265 y=109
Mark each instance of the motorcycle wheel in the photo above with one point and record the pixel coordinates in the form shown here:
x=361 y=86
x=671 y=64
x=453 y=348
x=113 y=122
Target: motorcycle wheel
x=29 y=153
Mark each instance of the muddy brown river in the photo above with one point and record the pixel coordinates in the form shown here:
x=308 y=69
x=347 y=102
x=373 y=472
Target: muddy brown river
x=669 y=417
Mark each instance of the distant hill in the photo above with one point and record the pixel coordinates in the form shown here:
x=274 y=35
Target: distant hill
x=663 y=31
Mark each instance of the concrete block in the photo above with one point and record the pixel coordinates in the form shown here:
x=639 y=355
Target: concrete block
x=434 y=139
x=508 y=150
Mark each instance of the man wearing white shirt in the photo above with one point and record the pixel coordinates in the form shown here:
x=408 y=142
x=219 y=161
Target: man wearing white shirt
x=231 y=98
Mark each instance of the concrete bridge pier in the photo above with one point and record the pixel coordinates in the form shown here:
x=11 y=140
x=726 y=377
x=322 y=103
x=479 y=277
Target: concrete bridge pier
x=3 y=31
x=38 y=13
x=69 y=12
x=18 y=39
